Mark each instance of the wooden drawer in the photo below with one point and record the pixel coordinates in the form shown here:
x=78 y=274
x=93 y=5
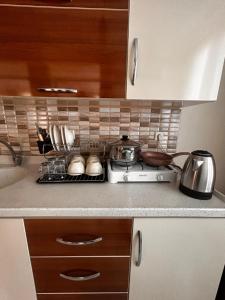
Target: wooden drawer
x=83 y=297
x=113 y=274
x=118 y=4
x=56 y=237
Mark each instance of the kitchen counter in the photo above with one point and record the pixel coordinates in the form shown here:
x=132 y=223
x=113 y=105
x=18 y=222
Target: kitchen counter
x=26 y=198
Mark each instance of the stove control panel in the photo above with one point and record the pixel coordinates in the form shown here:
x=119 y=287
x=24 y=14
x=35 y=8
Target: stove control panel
x=135 y=173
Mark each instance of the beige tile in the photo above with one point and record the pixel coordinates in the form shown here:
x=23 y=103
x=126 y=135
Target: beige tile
x=100 y=119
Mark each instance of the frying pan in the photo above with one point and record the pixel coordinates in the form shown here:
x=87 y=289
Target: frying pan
x=158 y=159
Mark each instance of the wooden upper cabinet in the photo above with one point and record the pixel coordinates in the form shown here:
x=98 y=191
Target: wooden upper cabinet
x=71 y=48
x=117 y=4
x=179 y=47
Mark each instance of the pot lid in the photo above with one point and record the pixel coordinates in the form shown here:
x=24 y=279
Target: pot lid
x=125 y=142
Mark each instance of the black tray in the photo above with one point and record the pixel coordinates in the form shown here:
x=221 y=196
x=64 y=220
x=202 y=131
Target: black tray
x=65 y=178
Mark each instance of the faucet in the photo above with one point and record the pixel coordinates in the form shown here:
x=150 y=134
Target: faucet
x=17 y=159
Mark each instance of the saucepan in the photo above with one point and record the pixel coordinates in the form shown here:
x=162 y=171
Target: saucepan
x=125 y=151
x=158 y=159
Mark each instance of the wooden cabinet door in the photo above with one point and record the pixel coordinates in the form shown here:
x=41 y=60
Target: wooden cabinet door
x=181 y=49
x=16 y=279
x=181 y=259
x=116 y=4
x=52 y=47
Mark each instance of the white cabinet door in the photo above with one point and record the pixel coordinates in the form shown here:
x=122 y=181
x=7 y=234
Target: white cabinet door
x=16 y=279
x=181 y=259
x=181 y=49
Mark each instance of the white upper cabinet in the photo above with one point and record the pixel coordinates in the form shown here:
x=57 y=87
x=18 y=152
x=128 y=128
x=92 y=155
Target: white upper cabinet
x=179 y=50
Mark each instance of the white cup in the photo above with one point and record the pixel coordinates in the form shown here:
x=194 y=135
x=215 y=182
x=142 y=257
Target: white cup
x=92 y=158
x=76 y=168
x=78 y=157
x=94 y=168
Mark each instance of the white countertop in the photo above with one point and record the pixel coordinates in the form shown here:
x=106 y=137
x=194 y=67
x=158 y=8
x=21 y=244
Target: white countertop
x=26 y=198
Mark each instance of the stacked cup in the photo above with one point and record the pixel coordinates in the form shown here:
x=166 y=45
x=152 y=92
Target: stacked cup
x=77 y=166
x=94 y=166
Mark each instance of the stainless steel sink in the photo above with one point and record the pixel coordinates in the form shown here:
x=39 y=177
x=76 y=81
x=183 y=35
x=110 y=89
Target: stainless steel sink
x=10 y=175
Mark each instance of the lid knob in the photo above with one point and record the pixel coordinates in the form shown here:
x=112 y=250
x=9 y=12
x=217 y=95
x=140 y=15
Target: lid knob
x=124 y=138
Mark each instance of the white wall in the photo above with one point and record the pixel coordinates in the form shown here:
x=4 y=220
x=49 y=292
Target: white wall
x=203 y=127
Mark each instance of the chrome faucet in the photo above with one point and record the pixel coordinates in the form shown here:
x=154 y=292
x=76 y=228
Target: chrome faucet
x=17 y=158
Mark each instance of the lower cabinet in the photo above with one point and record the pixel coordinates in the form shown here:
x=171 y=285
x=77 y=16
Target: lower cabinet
x=16 y=279
x=80 y=259
x=91 y=259
x=177 y=258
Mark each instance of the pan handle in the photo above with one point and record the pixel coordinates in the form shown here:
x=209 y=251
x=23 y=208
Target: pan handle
x=180 y=154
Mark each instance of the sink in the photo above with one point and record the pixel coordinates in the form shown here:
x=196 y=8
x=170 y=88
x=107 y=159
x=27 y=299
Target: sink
x=10 y=175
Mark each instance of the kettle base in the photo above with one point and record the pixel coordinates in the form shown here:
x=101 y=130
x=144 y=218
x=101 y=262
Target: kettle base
x=195 y=194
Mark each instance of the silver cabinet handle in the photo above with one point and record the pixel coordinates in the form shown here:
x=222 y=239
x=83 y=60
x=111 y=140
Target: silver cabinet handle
x=139 y=258
x=57 y=90
x=135 y=61
x=80 y=278
x=79 y=243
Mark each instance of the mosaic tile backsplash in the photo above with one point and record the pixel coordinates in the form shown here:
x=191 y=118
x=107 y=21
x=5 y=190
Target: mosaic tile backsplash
x=98 y=120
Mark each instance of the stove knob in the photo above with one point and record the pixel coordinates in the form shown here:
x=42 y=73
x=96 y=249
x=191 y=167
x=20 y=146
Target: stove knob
x=160 y=177
x=125 y=177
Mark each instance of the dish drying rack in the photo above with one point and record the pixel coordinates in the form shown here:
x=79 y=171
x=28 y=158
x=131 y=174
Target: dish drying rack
x=54 y=168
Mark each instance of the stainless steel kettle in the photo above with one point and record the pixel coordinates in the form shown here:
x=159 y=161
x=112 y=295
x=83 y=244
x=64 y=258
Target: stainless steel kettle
x=198 y=175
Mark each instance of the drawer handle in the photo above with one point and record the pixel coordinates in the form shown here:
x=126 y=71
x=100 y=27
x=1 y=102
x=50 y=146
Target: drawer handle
x=80 y=278
x=138 y=261
x=79 y=243
x=57 y=90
